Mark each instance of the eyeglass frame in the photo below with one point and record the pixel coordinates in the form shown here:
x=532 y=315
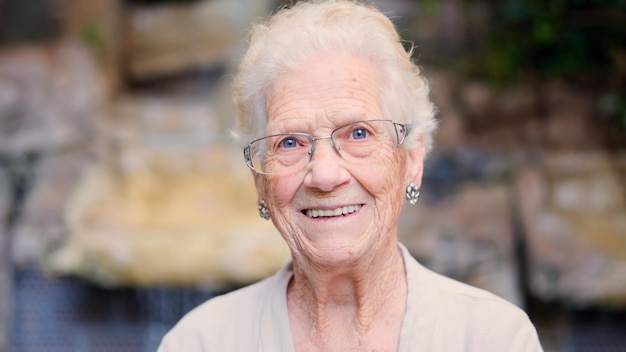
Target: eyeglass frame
x=406 y=129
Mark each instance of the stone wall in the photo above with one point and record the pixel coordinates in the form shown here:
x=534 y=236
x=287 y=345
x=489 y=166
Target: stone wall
x=535 y=188
x=50 y=99
x=574 y=215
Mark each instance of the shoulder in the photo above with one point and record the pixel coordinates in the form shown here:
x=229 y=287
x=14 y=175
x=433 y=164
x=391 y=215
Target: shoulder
x=478 y=305
x=472 y=317
x=433 y=287
x=210 y=314
x=219 y=323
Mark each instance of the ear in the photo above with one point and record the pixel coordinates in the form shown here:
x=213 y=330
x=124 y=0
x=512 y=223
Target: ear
x=259 y=185
x=415 y=163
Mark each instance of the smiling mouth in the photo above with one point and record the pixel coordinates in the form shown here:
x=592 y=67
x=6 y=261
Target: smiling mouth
x=342 y=211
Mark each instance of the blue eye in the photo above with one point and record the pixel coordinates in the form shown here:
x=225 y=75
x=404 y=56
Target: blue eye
x=359 y=133
x=289 y=142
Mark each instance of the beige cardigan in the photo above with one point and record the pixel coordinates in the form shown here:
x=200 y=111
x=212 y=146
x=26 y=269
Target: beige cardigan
x=442 y=315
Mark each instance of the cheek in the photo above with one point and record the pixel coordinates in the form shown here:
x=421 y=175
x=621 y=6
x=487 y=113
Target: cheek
x=386 y=175
x=280 y=190
x=387 y=188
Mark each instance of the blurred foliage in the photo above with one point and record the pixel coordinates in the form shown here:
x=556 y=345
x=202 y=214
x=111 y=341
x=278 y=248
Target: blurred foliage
x=92 y=35
x=580 y=41
x=556 y=38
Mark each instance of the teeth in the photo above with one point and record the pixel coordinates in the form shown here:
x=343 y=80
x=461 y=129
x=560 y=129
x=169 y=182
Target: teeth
x=316 y=213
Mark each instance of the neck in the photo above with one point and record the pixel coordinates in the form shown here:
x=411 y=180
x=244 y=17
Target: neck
x=350 y=302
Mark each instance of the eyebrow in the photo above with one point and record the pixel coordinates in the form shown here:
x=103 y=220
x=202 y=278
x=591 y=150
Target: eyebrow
x=285 y=126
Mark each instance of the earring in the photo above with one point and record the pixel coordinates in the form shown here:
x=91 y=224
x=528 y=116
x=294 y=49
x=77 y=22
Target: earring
x=263 y=212
x=412 y=192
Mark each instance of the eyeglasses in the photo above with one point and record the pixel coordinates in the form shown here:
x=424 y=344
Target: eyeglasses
x=289 y=152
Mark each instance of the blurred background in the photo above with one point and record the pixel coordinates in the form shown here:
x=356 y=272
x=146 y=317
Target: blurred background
x=124 y=202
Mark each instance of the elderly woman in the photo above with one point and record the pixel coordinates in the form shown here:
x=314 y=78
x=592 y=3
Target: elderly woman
x=336 y=121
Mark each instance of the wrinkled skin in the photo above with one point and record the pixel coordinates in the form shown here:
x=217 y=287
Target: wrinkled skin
x=348 y=274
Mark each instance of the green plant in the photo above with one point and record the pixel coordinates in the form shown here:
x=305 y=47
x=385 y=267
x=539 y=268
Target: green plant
x=579 y=41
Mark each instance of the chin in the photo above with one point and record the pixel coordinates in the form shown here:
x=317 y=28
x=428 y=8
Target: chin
x=339 y=252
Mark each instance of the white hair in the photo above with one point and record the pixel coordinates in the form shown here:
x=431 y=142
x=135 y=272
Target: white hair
x=311 y=28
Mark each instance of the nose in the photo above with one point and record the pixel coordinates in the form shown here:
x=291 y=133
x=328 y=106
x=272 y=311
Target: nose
x=326 y=169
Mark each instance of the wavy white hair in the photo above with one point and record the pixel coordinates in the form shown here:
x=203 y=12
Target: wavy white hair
x=311 y=28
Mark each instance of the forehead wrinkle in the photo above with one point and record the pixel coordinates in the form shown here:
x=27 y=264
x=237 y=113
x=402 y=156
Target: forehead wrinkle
x=344 y=104
x=308 y=93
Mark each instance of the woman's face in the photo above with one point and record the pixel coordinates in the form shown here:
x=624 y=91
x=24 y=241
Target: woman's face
x=331 y=91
